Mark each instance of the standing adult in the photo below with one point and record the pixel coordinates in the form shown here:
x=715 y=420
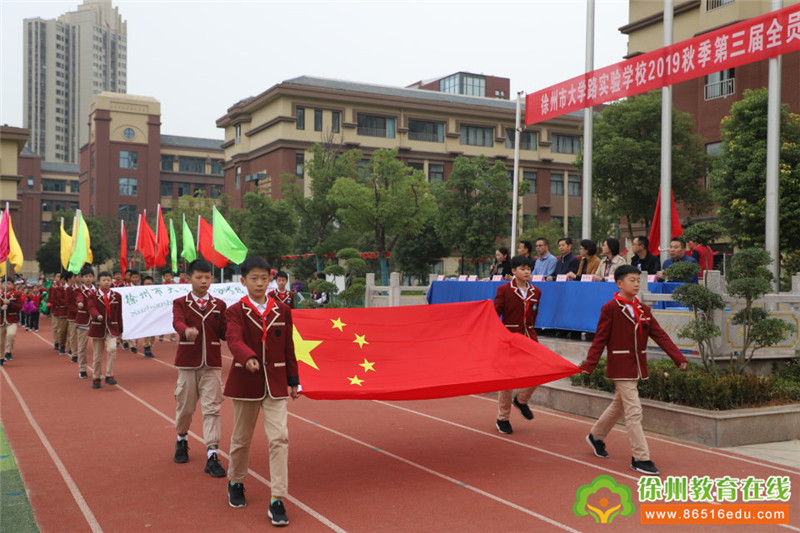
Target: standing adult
x=611 y=263
x=642 y=258
x=546 y=262
x=568 y=262
x=589 y=260
x=702 y=253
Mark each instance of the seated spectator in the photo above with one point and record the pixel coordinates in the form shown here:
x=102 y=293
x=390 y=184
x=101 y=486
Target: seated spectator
x=525 y=248
x=611 y=263
x=677 y=252
x=502 y=264
x=589 y=260
x=568 y=262
x=642 y=258
x=546 y=262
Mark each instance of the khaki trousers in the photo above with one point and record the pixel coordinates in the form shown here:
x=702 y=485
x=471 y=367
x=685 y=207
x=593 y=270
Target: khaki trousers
x=8 y=334
x=504 y=401
x=98 y=345
x=245 y=415
x=204 y=384
x=61 y=323
x=626 y=401
x=81 y=342
x=71 y=346
x=148 y=342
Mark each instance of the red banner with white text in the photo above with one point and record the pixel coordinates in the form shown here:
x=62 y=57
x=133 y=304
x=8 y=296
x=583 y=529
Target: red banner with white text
x=762 y=37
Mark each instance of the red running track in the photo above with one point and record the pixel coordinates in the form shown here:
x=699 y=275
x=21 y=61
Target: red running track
x=101 y=460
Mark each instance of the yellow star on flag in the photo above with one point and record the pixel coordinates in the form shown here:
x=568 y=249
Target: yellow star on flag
x=356 y=381
x=338 y=324
x=361 y=340
x=367 y=365
x=302 y=349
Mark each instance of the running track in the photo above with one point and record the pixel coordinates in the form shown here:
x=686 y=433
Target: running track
x=101 y=460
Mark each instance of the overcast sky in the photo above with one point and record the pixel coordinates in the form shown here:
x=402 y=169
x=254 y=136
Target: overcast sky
x=200 y=57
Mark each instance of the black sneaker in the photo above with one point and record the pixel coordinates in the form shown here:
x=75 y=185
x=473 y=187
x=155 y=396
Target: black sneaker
x=277 y=513
x=2 y=361
x=598 y=446
x=133 y=349
x=74 y=359
x=504 y=426
x=55 y=346
x=645 y=467
x=83 y=375
x=182 y=451
x=523 y=408
x=148 y=353
x=96 y=383
x=213 y=468
x=110 y=380
x=124 y=345
x=236 y=495
x=8 y=357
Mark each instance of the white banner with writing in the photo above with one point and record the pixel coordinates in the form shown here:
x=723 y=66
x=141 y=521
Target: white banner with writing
x=147 y=309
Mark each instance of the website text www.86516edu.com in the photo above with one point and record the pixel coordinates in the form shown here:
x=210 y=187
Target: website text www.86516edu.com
x=678 y=513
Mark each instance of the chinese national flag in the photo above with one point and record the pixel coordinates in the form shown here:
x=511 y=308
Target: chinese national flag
x=146 y=242
x=205 y=244
x=655 y=228
x=416 y=353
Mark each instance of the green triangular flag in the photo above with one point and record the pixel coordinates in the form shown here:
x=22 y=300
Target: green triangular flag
x=80 y=252
x=226 y=241
x=173 y=247
x=189 y=251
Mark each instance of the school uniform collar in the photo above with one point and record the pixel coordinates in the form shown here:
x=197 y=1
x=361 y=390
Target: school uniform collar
x=529 y=295
x=251 y=309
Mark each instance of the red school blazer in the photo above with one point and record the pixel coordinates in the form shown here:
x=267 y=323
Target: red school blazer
x=278 y=366
x=511 y=306
x=206 y=348
x=83 y=295
x=112 y=323
x=11 y=314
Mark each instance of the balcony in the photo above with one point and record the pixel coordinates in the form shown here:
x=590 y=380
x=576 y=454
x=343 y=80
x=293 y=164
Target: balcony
x=720 y=89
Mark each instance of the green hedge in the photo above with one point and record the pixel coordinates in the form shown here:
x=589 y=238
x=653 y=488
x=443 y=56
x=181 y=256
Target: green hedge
x=697 y=388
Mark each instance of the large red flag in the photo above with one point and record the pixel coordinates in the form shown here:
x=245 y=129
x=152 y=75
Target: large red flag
x=123 y=247
x=146 y=242
x=162 y=241
x=416 y=353
x=205 y=244
x=655 y=229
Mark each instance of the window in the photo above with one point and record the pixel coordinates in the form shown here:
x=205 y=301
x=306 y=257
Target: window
x=374 y=126
x=527 y=139
x=529 y=177
x=199 y=191
x=47 y=207
x=318 y=120
x=417 y=166
x=420 y=130
x=435 y=172
x=477 y=136
x=167 y=162
x=51 y=185
x=30 y=182
x=714 y=149
x=301 y=118
x=127 y=213
x=238 y=178
x=720 y=84
x=183 y=189
x=128 y=159
x=298 y=164
x=192 y=164
x=216 y=166
x=237 y=133
x=128 y=133
x=716 y=4
x=74 y=186
x=215 y=191
x=128 y=186
x=47 y=226
x=556 y=184
x=574 y=185
x=463 y=84
x=336 y=119
x=74 y=206
x=166 y=189
x=566 y=144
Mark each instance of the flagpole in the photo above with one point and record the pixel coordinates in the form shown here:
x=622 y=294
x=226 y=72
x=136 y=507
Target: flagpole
x=666 y=144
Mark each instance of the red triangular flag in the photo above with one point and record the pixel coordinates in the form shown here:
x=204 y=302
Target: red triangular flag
x=146 y=242
x=416 y=353
x=205 y=244
x=123 y=247
x=162 y=241
x=655 y=228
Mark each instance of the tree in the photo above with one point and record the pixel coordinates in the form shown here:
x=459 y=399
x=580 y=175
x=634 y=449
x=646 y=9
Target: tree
x=414 y=255
x=627 y=159
x=702 y=329
x=739 y=172
x=388 y=199
x=267 y=227
x=317 y=230
x=474 y=205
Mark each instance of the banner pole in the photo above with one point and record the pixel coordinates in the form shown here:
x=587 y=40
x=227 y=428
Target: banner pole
x=588 y=132
x=771 y=207
x=515 y=187
x=666 y=145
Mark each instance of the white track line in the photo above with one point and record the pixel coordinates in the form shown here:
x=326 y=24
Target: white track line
x=437 y=474
x=650 y=436
x=73 y=488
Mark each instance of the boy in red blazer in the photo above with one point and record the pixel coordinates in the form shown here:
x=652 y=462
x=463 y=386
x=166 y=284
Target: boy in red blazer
x=282 y=294
x=60 y=312
x=52 y=303
x=10 y=306
x=622 y=330
x=105 y=309
x=263 y=376
x=72 y=312
x=83 y=294
x=517 y=303
x=199 y=320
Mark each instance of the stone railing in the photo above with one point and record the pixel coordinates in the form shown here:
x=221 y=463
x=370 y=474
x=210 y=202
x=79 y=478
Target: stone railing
x=394 y=294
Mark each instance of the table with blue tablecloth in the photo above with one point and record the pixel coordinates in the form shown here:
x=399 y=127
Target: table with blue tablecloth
x=569 y=305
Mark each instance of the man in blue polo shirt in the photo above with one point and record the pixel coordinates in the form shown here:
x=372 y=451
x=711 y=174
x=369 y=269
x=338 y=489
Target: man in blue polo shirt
x=546 y=262
x=677 y=252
